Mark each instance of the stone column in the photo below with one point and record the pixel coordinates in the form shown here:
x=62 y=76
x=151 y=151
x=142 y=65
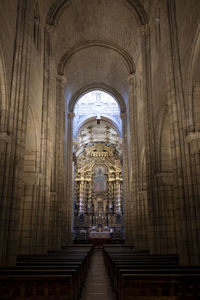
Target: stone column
x=4 y=222
x=153 y=210
x=193 y=143
x=166 y=222
x=12 y=188
x=58 y=174
x=46 y=148
x=28 y=218
x=125 y=178
x=134 y=159
x=186 y=218
x=143 y=242
x=68 y=201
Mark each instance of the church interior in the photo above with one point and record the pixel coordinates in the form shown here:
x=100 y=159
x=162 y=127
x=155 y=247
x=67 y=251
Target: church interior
x=100 y=149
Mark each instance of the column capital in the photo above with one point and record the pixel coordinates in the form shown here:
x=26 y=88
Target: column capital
x=192 y=136
x=5 y=137
x=123 y=115
x=144 y=28
x=50 y=28
x=71 y=115
x=61 y=78
x=193 y=139
x=131 y=77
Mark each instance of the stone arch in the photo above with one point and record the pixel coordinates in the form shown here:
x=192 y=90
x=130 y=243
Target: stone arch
x=101 y=87
x=193 y=101
x=112 y=124
x=59 y=6
x=124 y=55
x=3 y=95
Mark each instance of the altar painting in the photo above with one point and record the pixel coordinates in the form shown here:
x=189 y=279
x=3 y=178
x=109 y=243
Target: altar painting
x=100 y=179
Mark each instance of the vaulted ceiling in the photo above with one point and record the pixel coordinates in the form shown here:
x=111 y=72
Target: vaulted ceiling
x=96 y=42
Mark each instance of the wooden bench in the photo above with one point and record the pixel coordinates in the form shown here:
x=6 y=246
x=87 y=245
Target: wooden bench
x=36 y=287
x=137 y=276
x=159 y=287
x=23 y=281
x=156 y=271
x=45 y=260
x=76 y=286
x=135 y=259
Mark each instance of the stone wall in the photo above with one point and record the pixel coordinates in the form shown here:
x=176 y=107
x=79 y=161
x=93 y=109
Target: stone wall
x=149 y=58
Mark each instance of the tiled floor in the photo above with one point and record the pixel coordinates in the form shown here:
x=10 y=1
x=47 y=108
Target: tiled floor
x=97 y=285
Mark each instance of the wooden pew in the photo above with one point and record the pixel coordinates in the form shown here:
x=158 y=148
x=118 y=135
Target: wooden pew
x=130 y=258
x=36 y=287
x=138 y=276
x=43 y=261
x=56 y=260
x=182 y=270
x=70 y=265
x=159 y=287
x=49 y=271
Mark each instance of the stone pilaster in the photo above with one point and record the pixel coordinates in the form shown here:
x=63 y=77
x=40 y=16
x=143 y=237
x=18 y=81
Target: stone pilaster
x=11 y=192
x=166 y=213
x=143 y=242
x=46 y=148
x=134 y=160
x=193 y=143
x=68 y=201
x=4 y=140
x=184 y=186
x=28 y=218
x=125 y=176
x=58 y=178
x=152 y=196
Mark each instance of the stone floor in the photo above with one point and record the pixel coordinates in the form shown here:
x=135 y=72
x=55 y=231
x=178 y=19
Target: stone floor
x=97 y=285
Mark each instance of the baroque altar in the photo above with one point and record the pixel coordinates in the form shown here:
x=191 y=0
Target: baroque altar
x=98 y=205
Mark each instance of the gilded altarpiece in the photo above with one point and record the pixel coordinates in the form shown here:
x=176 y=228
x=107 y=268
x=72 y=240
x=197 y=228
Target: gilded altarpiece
x=98 y=197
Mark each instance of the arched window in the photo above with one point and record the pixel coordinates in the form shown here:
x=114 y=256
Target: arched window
x=96 y=104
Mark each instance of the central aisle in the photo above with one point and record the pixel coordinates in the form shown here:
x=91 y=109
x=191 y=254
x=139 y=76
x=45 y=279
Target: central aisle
x=97 y=285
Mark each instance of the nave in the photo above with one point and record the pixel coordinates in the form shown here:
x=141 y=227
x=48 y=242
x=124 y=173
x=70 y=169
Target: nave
x=97 y=285
x=112 y=272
